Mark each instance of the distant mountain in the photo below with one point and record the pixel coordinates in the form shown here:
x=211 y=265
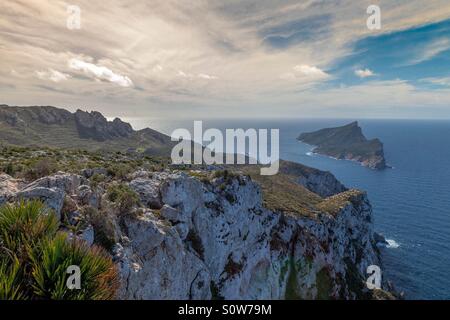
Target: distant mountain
x=347 y=142
x=55 y=127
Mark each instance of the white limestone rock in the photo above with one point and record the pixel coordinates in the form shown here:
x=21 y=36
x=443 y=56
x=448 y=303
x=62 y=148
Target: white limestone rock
x=8 y=187
x=156 y=265
x=52 y=197
x=86 y=196
x=229 y=240
x=66 y=182
x=148 y=191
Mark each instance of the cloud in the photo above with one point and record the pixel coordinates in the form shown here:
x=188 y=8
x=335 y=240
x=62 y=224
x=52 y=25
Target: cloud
x=305 y=73
x=364 y=73
x=431 y=50
x=52 y=75
x=248 y=45
x=309 y=71
x=99 y=72
x=206 y=76
x=444 y=82
x=203 y=76
x=157 y=68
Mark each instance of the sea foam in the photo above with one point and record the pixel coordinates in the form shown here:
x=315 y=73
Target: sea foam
x=392 y=244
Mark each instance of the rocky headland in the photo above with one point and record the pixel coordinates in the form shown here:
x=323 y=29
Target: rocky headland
x=349 y=143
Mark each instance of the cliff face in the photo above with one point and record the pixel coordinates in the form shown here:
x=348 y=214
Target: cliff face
x=197 y=238
x=349 y=143
x=202 y=245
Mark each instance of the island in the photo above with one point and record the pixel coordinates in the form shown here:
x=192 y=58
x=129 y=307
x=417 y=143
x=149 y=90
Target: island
x=349 y=143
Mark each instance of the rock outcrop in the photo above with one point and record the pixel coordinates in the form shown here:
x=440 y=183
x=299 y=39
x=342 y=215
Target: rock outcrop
x=51 y=190
x=94 y=125
x=8 y=187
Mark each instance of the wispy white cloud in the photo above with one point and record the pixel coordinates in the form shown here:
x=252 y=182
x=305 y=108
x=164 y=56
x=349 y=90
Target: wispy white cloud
x=206 y=76
x=310 y=71
x=191 y=76
x=52 y=75
x=99 y=72
x=364 y=73
x=305 y=73
x=445 y=81
x=431 y=50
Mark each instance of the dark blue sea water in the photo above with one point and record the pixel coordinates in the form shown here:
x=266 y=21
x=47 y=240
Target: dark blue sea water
x=411 y=202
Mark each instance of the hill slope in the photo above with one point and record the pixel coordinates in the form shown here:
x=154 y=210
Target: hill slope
x=47 y=126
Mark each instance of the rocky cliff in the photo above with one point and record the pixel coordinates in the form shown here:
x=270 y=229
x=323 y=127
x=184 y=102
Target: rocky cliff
x=349 y=143
x=201 y=234
x=202 y=245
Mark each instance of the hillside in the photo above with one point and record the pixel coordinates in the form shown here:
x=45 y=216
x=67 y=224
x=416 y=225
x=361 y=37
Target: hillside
x=45 y=126
x=347 y=142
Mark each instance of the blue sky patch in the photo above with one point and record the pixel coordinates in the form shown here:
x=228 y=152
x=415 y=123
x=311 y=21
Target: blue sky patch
x=411 y=55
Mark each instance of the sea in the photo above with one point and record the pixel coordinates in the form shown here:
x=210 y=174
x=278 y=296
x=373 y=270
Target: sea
x=411 y=201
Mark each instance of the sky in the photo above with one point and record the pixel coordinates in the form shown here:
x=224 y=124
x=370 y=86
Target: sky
x=234 y=59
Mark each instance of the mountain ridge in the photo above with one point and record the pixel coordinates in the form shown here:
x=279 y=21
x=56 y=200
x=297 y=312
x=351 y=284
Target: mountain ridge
x=49 y=126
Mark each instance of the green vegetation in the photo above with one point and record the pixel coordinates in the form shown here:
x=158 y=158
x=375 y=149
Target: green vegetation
x=34 y=130
x=32 y=163
x=34 y=258
x=291 y=286
x=334 y=204
x=123 y=197
x=282 y=193
x=104 y=234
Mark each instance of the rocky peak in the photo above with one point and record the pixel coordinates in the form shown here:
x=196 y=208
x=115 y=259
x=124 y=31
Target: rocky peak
x=94 y=125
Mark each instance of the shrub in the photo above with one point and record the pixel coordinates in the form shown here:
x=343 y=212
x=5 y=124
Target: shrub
x=9 y=280
x=120 y=171
x=25 y=224
x=34 y=258
x=40 y=168
x=123 y=196
x=104 y=234
x=10 y=169
x=98 y=273
x=96 y=179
